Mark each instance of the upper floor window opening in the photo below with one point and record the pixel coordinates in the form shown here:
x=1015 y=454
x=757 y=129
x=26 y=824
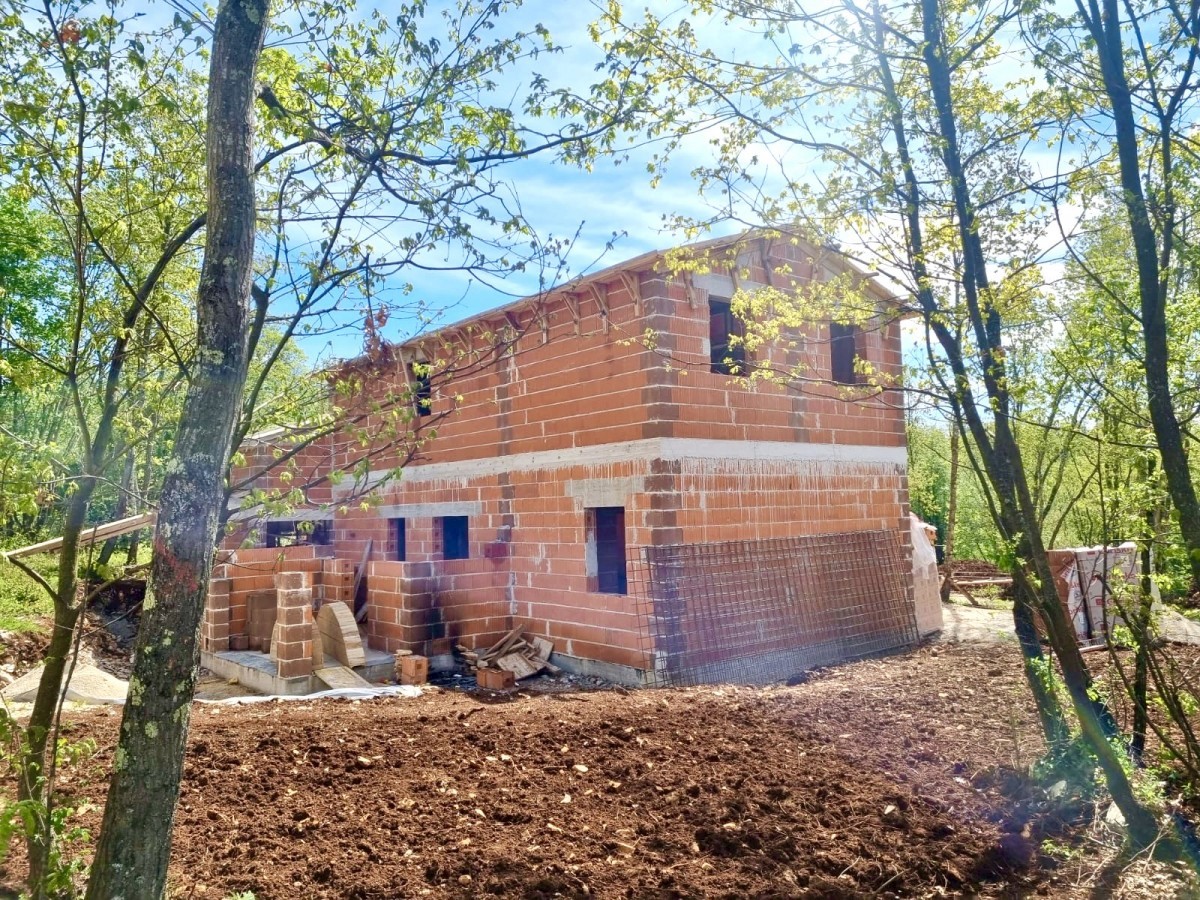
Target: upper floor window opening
x=422 y=389
x=843 y=351
x=726 y=339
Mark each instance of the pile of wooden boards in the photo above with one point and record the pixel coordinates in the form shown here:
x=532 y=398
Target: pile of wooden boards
x=516 y=653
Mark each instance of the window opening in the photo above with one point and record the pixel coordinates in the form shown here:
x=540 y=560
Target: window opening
x=728 y=356
x=399 y=542
x=298 y=533
x=843 y=340
x=454 y=537
x=606 y=550
x=422 y=388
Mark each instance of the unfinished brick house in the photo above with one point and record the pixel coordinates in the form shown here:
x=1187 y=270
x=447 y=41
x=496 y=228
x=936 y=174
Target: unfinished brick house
x=656 y=513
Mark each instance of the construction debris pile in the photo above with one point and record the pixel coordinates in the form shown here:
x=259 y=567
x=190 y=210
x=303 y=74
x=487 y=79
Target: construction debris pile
x=513 y=658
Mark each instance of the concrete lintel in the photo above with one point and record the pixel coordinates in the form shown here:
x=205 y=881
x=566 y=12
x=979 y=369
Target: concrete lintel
x=590 y=492
x=430 y=510
x=646 y=450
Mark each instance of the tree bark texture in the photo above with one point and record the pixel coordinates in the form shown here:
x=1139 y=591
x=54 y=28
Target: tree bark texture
x=135 y=839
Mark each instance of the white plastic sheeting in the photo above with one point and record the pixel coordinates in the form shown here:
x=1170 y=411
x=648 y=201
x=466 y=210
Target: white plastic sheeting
x=926 y=585
x=387 y=690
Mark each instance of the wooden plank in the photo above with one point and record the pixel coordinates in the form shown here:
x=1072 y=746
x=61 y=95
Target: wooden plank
x=340 y=677
x=360 y=611
x=518 y=665
x=89 y=536
x=543 y=647
x=504 y=644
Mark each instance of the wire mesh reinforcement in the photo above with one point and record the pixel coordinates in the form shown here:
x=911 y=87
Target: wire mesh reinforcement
x=753 y=612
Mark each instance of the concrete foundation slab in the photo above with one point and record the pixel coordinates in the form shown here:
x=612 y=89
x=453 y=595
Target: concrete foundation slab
x=258 y=672
x=614 y=672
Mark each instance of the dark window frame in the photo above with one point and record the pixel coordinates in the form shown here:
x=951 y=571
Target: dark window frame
x=726 y=358
x=398 y=535
x=608 y=550
x=843 y=352
x=454 y=532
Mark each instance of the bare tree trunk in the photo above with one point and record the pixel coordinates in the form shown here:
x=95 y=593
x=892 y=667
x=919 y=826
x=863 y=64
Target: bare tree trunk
x=135 y=839
x=1103 y=21
x=127 y=474
x=951 y=514
x=41 y=718
x=1003 y=461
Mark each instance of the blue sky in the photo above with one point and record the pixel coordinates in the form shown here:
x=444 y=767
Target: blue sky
x=612 y=204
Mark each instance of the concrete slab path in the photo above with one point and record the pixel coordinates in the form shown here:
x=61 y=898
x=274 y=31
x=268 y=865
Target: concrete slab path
x=973 y=624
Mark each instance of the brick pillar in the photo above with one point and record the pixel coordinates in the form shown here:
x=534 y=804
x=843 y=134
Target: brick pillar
x=215 y=633
x=293 y=622
x=337 y=581
x=416 y=613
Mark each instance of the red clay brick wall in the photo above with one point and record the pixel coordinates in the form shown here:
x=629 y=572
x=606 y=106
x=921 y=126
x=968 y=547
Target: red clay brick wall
x=412 y=604
x=255 y=570
x=541 y=580
x=592 y=381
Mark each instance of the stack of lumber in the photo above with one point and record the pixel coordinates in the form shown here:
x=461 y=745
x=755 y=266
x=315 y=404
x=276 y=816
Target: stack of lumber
x=516 y=653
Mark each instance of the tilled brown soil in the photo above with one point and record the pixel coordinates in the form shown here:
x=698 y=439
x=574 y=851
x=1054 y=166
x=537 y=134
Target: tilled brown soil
x=893 y=777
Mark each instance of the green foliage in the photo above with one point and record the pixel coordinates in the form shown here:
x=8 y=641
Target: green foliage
x=32 y=818
x=23 y=604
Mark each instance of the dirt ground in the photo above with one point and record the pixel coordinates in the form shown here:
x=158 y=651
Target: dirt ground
x=890 y=778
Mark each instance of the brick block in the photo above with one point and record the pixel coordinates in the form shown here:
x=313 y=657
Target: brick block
x=239 y=642
x=295 y=615
x=318 y=647
x=496 y=679
x=293 y=633
x=295 y=668
x=440 y=647
x=293 y=597
x=340 y=634
x=414 y=669
x=285 y=581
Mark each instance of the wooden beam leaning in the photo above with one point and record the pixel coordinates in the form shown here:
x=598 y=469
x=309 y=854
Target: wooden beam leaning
x=90 y=536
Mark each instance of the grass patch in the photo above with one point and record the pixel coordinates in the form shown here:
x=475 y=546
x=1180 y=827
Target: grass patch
x=22 y=602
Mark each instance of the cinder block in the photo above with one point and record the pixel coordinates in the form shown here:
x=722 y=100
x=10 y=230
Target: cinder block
x=496 y=679
x=414 y=669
